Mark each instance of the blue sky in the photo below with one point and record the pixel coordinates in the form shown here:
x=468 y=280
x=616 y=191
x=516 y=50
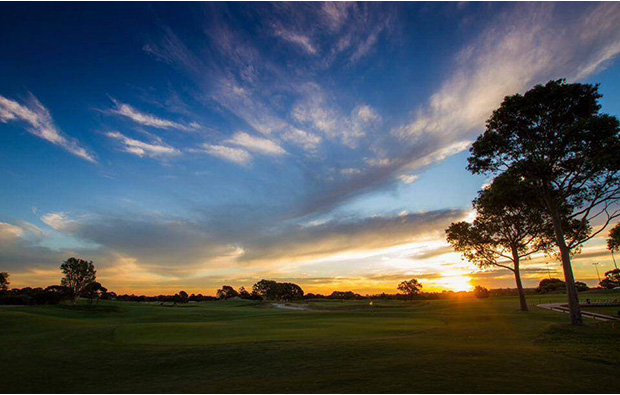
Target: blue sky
x=187 y=145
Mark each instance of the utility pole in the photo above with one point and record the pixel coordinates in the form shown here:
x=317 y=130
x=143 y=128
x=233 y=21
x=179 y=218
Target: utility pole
x=597 y=274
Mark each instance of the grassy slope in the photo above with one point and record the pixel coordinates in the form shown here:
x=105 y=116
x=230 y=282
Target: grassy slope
x=613 y=311
x=435 y=346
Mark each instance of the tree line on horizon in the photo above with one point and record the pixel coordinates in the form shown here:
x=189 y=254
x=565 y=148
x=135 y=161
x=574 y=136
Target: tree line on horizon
x=555 y=162
x=79 y=281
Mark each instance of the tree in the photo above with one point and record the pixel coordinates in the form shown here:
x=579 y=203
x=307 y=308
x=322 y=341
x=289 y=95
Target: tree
x=550 y=285
x=243 y=294
x=226 y=292
x=613 y=243
x=183 y=297
x=346 y=295
x=508 y=228
x=554 y=138
x=410 y=288
x=266 y=289
x=611 y=280
x=290 y=291
x=78 y=275
x=272 y=290
x=94 y=291
x=481 y=292
x=4 y=281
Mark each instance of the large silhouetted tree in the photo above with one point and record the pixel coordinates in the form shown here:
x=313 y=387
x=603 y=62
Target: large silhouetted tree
x=611 y=280
x=508 y=228
x=94 y=291
x=410 y=288
x=78 y=274
x=226 y=292
x=555 y=138
x=4 y=281
x=272 y=290
x=613 y=242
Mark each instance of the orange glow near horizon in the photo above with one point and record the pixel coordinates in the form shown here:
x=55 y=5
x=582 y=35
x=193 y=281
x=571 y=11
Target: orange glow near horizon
x=455 y=283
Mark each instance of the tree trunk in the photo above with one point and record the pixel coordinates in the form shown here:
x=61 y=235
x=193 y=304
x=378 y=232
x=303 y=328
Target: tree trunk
x=569 y=278
x=522 y=300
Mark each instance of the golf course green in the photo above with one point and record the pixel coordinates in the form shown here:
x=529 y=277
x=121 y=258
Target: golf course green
x=453 y=345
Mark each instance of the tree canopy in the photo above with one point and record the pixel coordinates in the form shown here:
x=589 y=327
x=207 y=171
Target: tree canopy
x=508 y=227
x=555 y=138
x=611 y=280
x=78 y=274
x=226 y=292
x=481 y=292
x=272 y=290
x=410 y=288
x=4 y=281
x=613 y=242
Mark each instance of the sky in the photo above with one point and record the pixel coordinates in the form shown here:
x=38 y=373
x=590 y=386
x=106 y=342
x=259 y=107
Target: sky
x=188 y=145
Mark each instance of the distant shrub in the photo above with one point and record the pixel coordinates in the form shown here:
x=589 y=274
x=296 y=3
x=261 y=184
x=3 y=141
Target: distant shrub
x=35 y=296
x=548 y=285
x=481 y=292
x=272 y=290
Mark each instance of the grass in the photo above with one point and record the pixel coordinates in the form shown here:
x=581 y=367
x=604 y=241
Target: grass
x=236 y=346
x=613 y=311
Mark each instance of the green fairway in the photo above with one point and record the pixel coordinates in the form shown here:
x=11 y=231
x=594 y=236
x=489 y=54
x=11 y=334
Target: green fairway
x=428 y=346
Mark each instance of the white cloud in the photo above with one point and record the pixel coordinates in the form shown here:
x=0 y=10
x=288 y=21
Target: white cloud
x=336 y=13
x=513 y=54
x=299 y=40
x=41 y=124
x=145 y=119
x=235 y=155
x=408 y=178
x=379 y=162
x=363 y=119
x=350 y=172
x=59 y=221
x=256 y=144
x=248 y=104
x=141 y=148
x=318 y=110
x=308 y=141
x=10 y=232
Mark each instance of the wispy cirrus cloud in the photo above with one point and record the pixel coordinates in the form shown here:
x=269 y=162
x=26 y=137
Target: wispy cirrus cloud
x=298 y=39
x=316 y=110
x=520 y=46
x=40 y=124
x=150 y=120
x=231 y=154
x=514 y=53
x=308 y=141
x=306 y=243
x=256 y=144
x=142 y=149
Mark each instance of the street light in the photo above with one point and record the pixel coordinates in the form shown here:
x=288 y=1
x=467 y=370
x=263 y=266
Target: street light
x=548 y=271
x=597 y=274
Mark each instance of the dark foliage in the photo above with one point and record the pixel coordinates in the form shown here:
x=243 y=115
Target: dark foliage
x=35 y=296
x=481 y=292
x=272 y=290
x=611 y=280
x=227 y=292
x=554 y=138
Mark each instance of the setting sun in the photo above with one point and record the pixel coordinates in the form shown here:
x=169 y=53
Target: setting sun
x=456 y=283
